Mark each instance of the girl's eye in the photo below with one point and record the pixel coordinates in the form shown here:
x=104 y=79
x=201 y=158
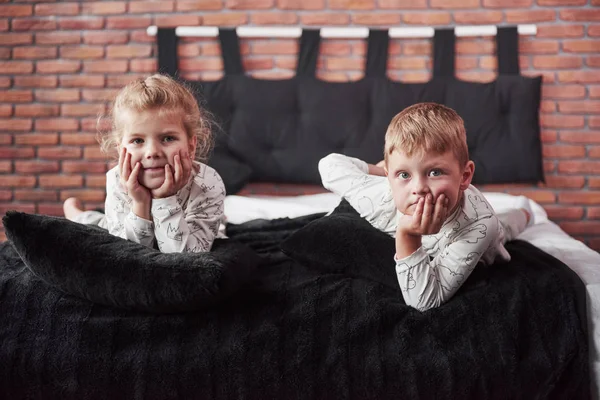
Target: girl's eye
x=404 y=175
x=137 y=141
x=169 y=138
x=435 y=172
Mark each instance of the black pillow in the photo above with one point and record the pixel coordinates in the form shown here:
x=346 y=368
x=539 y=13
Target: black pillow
x=234 y=172
x=343 y=242
x=88 y=262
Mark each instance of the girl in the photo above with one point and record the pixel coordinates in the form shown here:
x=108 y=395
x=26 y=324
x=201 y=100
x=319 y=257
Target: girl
x=158 y=194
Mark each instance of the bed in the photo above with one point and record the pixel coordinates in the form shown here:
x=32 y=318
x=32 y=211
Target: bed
x=298 y=302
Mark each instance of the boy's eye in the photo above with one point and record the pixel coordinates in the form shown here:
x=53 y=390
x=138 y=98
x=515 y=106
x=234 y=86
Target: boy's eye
x=435 y=172
x=404 y=175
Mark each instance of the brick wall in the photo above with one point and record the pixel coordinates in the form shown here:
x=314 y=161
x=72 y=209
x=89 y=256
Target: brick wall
x=61 y=61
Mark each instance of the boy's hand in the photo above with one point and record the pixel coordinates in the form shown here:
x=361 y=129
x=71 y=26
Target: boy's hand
x=176 y=180
x=428 y=217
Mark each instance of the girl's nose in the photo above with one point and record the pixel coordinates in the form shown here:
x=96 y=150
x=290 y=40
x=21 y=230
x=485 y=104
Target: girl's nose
x=152 y=150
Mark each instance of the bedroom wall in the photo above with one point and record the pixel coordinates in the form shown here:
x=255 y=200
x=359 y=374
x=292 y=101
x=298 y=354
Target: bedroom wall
x=61 y=61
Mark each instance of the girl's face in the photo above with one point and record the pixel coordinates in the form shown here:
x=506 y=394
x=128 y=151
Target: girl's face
x=153 y=141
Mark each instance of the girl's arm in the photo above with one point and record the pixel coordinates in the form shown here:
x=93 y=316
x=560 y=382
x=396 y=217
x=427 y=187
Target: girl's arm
x=192 y=227
x=122 y=222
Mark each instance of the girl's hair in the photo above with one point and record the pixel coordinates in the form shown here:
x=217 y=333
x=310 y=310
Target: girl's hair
x=167 y=97
x=427 y=127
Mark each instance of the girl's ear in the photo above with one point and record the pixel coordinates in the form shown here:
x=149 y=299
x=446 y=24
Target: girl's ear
x=192 y=146
x=467 y=175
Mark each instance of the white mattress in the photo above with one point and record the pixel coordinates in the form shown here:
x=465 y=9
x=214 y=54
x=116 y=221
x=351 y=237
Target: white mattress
x=544 y=234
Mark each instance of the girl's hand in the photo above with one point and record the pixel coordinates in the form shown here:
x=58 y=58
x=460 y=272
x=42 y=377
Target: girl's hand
x=130 y=179
x=428 y=218
x=176 y=180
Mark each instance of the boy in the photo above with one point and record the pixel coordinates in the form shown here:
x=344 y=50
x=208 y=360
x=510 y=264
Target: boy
x=443 y=225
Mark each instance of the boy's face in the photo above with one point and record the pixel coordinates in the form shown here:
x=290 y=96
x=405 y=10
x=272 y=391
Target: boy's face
x=414 y=177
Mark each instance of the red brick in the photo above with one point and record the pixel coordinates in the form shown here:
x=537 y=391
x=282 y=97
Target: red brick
x=36 y=167
x=538 y=47
x=579 y=76
x=12 y=39
x=474 y=76
x=594 y=30
x=593 y=61
x=29 y=24
x=563 y=91
x=141 y=36
x=7 y=152
x=128 y=51
x=559 y=31
x=22 y=207
x=579 y=107
x=58 y=95
x=559 y=3
x=547 y=106
x=147 y=65
x=421 y=48
x=81 y=110
x=31 y=52
x=83 y=81
x=3 y=24
x=60 y=181
x=78 y=139
x=104 y=8
x=136 y=22
x=374 y=19
x=36 y=81
x=5 y=167
x=198 y=5
x=561 y=121
x=16 y=96
x=581 y=167
x=58 y=66
x=151 y=6
x=507 y=3
x=51 y=10
x=56 y=124
x=59 y=153
x=593 y=152
x=557 y=62
x=302 y=4
x=16 y=67
x=593 y=182
x=593 y=121
x=468 y=46
x=105 y=66
x=12 y=181
x=549 y=165
x=15 y=124
x=99 y=94
x=222 y=19
x=561 y=212
x=580 y=15
x=584 y=137
x=54 y=209
x=594 y=92
x=36 y=195
x=95 y=124
x=563 y=182
x=580 y=227
x=539 y=196
x=352 y=4
x=35 y=139
x=406 y=63
x=325 y=19
x=72 y=167
x=402 y=4
x=178 y=20
x=249 y=4
x=593 y=212
x=93 y=153
x=454 y=4
x=205 y=64
x=426 y=18
x=12 y=11
x=529 y=16
x=594 y=244
x=36 y=110
x=478 y=17
x=95 y=181
x=6 y=110
x=279 y=47
x=81 y=52
x=581 y=46
x=105 y=37
x=81 y=23
x=269 y=18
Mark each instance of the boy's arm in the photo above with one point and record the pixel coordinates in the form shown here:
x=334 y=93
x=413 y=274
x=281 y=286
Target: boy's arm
x=349 y=178
x=121 y=221
x=427 y=283
x=194 y=228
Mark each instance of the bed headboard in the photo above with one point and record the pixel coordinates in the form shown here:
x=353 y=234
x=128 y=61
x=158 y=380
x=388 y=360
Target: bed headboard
x=277 y=130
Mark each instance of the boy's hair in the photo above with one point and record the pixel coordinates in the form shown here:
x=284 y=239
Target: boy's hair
x=166 y=96
x=427 y=127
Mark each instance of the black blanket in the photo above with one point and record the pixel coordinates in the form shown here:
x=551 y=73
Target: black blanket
x=299 y=331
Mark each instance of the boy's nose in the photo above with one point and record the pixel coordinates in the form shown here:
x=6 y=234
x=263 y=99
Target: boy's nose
x=420 y=187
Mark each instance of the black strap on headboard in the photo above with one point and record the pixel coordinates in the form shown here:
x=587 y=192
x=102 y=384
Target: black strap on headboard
x=444 y=42
x=377 y=53
x=167 y=51
x=507 y=50
x=230 y=51
x=308 y=54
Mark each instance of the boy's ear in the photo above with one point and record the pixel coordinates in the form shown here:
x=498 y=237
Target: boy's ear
x=467 y=175
x=385 y=170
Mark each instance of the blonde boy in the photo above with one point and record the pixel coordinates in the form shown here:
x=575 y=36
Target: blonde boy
x=421 y=194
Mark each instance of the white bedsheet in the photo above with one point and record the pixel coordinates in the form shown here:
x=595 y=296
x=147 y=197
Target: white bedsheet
x=544 y=234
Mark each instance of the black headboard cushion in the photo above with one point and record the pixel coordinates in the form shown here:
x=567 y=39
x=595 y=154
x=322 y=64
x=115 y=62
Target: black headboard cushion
x=279 y=129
